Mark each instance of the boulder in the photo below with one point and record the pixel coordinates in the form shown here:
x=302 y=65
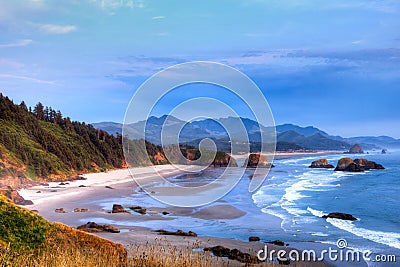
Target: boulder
x=92 y=227
x=257 y=160
x=178 y=233
x=339 y=215
x=254 y=239
x=60 y=210
x=81 y=210
x=138 y=209
x=232 y=254
x=285 y=261
x=384 y=151
x=79 y=178
x=118 y=209
x=321 y=163
x=109 y=187
x=165 y=213
x=277 y=243
x=25 y=202
x=356 y=149
x=82 y=185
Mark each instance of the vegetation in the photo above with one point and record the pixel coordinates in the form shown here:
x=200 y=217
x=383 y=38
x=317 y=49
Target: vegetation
x=42 y=143
x=26 y=239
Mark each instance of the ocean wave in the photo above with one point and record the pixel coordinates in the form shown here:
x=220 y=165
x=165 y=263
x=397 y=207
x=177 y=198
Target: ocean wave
x=316 y=213
x=386 y=238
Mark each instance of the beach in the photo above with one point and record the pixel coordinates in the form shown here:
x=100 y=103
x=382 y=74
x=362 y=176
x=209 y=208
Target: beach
x=100 y=191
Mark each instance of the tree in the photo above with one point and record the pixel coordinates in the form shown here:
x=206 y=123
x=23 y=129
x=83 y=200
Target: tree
x=38 y=110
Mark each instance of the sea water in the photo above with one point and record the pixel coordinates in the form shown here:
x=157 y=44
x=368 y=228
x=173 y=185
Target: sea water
x=300 y=196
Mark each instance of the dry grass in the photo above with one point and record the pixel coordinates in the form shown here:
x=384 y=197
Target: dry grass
x=158 y=253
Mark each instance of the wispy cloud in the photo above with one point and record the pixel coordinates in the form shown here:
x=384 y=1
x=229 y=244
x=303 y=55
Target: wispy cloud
x=162 y=33
x=357 y=42
x=158 y=17
x=112 y=6
x=11 y=63
x=57 y=29
x=24 y=42
x=25 y=78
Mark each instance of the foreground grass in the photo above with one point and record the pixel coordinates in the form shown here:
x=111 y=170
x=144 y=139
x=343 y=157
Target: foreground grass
x=27 y=239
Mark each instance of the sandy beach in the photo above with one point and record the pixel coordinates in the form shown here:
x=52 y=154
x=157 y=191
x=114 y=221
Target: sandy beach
x=100 y=190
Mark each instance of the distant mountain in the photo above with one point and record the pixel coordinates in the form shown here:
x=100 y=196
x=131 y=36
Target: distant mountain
x=376 y=141
x=289 y=136
x=306 y=131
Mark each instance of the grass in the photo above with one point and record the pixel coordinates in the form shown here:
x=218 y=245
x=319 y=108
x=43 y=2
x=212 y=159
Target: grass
x=27 y=239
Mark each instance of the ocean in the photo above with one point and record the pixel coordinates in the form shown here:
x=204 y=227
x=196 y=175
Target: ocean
x=300 y=196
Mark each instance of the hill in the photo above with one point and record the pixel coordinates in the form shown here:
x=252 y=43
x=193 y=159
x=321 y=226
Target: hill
x=27 y=239
x=306 y=131
x=41 y=143
x=289 y=136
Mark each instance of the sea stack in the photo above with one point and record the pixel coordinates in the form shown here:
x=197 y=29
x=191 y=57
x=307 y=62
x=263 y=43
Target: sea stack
x=321 y=164
x=356 y=149
x=358 y=165
x=257 y=160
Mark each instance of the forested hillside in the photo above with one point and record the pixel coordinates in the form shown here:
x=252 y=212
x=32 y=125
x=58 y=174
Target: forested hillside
x=40 y=142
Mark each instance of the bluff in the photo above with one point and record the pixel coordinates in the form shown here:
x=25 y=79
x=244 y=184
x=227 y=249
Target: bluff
x=27 y=239
x=41 y=143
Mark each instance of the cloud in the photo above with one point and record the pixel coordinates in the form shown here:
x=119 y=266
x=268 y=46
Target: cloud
x=25 y=78
x=56 y=29
x=11 y=63
x=158 y=17
x=24 y=42
x=112 y=6
x=162 y=33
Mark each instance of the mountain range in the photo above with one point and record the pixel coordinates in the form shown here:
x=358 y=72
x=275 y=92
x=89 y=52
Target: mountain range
x=289 y=136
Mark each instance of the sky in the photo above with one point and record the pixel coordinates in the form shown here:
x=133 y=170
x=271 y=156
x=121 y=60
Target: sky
x=331 y=64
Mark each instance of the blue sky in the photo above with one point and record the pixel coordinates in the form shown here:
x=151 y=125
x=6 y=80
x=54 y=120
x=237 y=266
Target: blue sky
x=332 y=64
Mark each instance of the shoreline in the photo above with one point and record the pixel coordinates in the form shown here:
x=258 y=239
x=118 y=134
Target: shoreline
x=120 y=186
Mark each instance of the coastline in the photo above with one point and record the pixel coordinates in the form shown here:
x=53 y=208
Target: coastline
x=119 y=185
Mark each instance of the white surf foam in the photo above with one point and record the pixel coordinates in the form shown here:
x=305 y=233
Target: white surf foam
x=387 y=238
x=316 y=213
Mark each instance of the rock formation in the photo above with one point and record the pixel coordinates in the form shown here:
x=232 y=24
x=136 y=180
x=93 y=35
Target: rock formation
x=339 y=215
x=358 y=165
x=81 y=210
x=138 y=209
x=118 y=209
x=277 y=243
x=321 y=163
x=178 y=232
x=356 y=149
x=232 y=254
x=92 y=227
x=14 y=196
x=257 y=160
x=254 y=239
x=60 y=210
